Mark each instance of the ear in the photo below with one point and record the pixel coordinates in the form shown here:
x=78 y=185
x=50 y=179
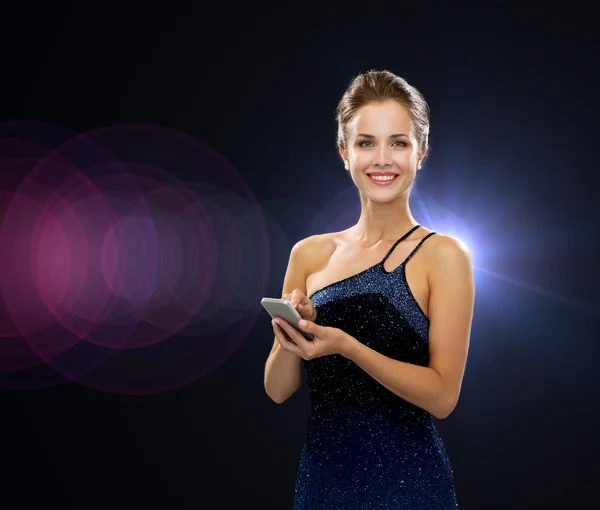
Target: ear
x=344 y=157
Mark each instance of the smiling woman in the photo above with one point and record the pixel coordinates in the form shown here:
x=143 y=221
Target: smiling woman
x=389 y=338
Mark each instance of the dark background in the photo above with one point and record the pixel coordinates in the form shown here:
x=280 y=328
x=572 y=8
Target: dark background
x=513 y=95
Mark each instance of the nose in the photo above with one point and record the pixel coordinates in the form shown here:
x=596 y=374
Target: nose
x=382 y=157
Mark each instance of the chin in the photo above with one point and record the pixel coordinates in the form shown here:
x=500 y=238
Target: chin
x=383 y=197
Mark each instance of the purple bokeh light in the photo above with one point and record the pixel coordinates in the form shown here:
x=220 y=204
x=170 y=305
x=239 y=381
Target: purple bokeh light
x=116 y=273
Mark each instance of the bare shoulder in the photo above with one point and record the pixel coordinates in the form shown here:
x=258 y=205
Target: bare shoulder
x=314 y=241
x=311 y=250
x=447 y=253
x=443 y=244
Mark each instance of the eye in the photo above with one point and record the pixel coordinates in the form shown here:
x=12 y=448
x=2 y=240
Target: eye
x=402 y=144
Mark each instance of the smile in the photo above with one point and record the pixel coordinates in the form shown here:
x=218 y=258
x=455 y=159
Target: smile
x=383 y=180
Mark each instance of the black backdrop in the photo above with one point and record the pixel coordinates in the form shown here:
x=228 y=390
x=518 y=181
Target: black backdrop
x=512 y=91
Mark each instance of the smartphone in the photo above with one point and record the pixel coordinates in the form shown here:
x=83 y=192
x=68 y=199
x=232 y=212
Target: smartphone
x=283 y=308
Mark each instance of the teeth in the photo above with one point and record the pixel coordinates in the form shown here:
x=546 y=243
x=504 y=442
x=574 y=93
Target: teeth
x=382 y=178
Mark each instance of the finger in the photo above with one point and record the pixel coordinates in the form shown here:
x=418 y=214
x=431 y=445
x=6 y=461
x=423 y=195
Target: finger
x=296 y=300
x=285 y=343
x=280 y=334
x=292 y=299
x=297 y=296
x=283 y=340
x=295 y=335
x=310 y=327
x=279 y=330
x=308 y=306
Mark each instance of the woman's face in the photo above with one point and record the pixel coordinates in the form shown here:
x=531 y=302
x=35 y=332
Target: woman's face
x=381 y=140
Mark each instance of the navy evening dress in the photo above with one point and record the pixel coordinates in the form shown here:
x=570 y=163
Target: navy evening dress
x=365 y=447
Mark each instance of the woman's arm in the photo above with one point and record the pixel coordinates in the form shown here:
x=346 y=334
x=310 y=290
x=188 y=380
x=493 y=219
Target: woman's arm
x=435 y=388
x=283 y=370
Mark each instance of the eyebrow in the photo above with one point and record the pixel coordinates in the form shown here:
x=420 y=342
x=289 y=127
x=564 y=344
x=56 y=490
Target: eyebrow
x=397 y=135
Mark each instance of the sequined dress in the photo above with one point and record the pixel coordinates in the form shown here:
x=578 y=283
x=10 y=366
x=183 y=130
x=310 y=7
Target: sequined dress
x=365 y=447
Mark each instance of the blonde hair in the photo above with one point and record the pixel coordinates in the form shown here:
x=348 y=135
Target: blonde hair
x=376 y=87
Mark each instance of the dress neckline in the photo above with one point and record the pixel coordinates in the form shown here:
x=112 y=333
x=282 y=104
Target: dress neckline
x=380 y=263
x=355 y=275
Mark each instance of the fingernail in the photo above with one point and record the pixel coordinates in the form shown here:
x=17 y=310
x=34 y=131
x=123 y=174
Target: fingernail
x=303 y=323
x=277 y=321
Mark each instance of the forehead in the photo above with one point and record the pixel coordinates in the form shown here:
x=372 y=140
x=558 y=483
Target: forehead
x=376 y=118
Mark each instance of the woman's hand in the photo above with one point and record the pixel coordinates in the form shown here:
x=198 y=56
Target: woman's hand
x=325 y=340
x=303 y=305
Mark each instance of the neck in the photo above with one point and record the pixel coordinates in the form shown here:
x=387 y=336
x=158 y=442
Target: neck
x=383 y=221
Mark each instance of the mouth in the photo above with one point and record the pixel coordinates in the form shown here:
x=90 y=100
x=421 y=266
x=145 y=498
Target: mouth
x=382 y=179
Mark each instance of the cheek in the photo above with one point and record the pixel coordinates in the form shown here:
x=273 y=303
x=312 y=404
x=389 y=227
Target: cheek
x=406 y=159
x=360 y=160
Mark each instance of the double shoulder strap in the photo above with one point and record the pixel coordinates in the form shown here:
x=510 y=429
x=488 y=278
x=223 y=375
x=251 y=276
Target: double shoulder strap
x=402 y=239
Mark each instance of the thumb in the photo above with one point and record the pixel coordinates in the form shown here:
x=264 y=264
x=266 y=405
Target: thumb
x=309 y=326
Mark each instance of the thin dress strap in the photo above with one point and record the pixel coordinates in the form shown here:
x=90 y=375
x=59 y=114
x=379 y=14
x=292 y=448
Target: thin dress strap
x=417 y=247
x=398 y=241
